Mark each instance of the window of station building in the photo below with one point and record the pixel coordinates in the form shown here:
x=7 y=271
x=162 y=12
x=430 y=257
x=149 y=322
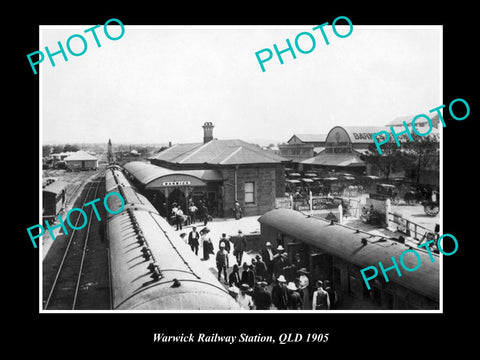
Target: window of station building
x=249 y=193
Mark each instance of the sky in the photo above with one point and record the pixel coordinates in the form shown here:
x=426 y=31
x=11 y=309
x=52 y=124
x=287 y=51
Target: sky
x=161 y=83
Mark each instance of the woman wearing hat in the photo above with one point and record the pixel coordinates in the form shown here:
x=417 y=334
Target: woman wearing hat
x=207 y=244
x=244 y=300
x=304 y=283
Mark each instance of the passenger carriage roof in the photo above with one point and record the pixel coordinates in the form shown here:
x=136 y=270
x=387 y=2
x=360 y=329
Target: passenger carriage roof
x=133 y=287
x=344 y=243
x=56 y=187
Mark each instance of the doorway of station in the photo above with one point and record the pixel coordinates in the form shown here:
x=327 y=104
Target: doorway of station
x=159 y=201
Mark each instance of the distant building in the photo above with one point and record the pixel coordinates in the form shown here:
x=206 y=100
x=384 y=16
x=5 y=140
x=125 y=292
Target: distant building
x=345 y=145
x=420 y=123
x=302 y=146
x=60 y=156
x=217 y=172
x=81 y=160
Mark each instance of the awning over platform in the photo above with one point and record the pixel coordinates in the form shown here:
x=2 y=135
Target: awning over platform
x=156 y=177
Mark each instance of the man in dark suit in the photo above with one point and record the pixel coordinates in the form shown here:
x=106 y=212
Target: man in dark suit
x=260 y=268
x=234 y=277
x=268 y=255
x=280 y=294
x=193 y=238
x=262 y=298
x=248 y=277
x=225 y=241
x=240 y=245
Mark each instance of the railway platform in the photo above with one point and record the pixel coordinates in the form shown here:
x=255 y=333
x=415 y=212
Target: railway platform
x=230 y=227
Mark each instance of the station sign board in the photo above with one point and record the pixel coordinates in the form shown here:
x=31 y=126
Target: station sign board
x=177 y=183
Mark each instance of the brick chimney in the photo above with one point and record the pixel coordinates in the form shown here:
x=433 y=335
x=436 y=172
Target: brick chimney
x=207 y=132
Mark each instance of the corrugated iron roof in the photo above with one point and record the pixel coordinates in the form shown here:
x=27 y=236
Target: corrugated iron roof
x=332 y=159
x=310 y=137
x=362 y=132
x=219 y=152
x=398 y=121
x=344 y=243
x=132 y=284
x=146 y=173
x=80 y=156
x=55 y=187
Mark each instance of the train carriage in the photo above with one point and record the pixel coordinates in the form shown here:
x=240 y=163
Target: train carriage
x=153 y=269
x=151 y=266
x=115 y=177
x=338 y=253
x=54 y=196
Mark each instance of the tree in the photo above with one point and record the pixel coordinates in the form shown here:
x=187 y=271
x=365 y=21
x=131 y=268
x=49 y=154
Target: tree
x=46 y=150
x=57 y=149
x=389 y=161
x=422 y=153
x=71 y=148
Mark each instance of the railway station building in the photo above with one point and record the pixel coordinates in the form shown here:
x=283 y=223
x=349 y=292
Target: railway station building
x=218 y=172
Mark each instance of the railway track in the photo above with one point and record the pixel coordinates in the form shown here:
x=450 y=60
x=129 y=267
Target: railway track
x=65 y=290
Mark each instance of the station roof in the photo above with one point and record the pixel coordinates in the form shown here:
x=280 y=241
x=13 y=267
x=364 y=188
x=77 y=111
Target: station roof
x=309 y=138
x=55 y=187
x=150 y=175
x=218 y=152
x=361 y=134
x=398 y=121
x=332 y=159
x=344 y=243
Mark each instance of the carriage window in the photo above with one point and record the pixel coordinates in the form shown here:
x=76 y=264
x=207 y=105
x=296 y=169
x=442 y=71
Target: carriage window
x=387 y=301
x=401 y=304
x=354 y=286
x=337 y=277
x=376 y=296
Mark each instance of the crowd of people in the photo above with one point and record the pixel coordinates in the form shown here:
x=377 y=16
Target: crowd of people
x=200 y=213
x=270 y=282
x=265 y=281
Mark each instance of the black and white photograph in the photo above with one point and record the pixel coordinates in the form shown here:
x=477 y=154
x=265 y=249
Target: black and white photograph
x=301 y=183
x=243 y=189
